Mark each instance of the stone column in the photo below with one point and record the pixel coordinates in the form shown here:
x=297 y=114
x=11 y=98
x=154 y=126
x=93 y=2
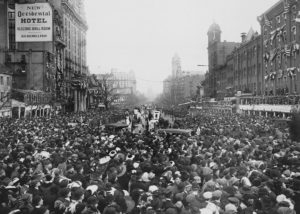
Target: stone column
x=81 y=100
x=85 y=100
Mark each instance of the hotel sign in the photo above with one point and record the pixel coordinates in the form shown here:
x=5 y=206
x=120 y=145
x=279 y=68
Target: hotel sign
x=34 y=22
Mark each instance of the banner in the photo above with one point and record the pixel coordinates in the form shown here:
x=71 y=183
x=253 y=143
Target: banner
x=34 y=22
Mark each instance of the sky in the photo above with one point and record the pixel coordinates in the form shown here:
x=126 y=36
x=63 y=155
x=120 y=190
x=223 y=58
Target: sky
x=144 y=35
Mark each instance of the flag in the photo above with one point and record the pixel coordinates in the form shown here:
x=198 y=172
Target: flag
x=291 y=71
x=272 y=75
x=286 y=6
x=266 y=57
x=267 y=77
x=296 y=47
x=297 y=19
x=273 y=54
x=267 y=21
x=273 y=34
x=280 y=32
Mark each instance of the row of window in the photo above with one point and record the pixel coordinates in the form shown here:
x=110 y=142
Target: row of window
x=11 y=29
x=248 y=55
x=37 y=98
x=75 y=39
x=281 y=38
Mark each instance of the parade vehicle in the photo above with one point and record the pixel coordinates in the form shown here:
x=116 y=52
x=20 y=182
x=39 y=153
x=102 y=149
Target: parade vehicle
x=186 y=132
x=115 y=127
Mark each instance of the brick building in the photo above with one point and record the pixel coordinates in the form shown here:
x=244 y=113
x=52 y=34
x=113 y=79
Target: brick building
x=280 y=52
x=217 y=55
x=247 y=60
x=233 y=66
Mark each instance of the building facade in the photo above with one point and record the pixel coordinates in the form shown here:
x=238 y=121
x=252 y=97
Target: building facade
x=176 y=66
x=182 y=89
x=266 y=64
x=75 y=68
x=120 y=85
x=5 y=91
x=190 y=86
x=247 y=59
x=182 y=85
x=217 y=55
x=280 y=48
x=54 y=66
x=233 y=66
x=167 y=85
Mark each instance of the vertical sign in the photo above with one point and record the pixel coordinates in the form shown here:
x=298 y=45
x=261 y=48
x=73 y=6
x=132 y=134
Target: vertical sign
x=33 y=22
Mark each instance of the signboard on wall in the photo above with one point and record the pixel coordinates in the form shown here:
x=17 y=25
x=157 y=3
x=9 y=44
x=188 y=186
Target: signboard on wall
x=34 y=22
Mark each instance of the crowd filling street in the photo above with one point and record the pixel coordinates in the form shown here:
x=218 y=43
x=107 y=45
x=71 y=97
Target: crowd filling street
x=69 y=164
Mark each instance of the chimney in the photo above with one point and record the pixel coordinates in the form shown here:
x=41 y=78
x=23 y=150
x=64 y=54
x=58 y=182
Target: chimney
x=243 y=35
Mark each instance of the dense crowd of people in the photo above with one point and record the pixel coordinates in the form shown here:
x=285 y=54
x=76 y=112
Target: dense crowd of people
x=68 y=164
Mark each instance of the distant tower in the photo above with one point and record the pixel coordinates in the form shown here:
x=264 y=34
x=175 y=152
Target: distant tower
x=214 y=33
x=176 y=66
x=214 y=36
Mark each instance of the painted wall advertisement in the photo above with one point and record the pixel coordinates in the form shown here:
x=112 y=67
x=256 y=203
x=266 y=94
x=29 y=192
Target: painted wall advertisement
x=33 y=22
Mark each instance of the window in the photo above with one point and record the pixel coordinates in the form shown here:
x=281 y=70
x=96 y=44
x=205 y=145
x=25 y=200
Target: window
x=284 y=36
x=2 y=97
x=278 y=19
x=278 y=37
x=284 y=16
x=294 y=12
x=265 y=31
x=1 y=80
x=293 y=30
x=7 y=81
x=279 y=60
